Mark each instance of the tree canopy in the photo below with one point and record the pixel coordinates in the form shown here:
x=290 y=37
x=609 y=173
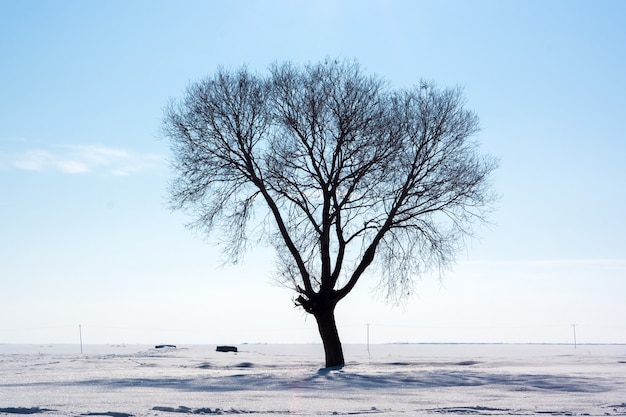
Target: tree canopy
x=336 y=170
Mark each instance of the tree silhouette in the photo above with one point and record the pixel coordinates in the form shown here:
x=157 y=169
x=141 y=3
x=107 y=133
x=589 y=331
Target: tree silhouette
x=348 y=174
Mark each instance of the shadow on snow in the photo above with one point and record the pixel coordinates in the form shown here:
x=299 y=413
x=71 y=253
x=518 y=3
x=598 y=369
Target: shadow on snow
x=344 y=379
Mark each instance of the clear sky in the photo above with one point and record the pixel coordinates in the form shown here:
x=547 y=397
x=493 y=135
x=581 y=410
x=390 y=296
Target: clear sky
x=86 y=237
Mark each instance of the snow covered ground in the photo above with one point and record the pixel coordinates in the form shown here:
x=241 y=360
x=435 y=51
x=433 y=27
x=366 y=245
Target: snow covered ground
x=270 y=380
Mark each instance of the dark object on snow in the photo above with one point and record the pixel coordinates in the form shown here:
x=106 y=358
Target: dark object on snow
x=164 y=346
x=24 y=410
x=226 y=349
x=186 y=410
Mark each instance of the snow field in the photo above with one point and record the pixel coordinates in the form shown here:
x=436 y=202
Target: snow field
x=270 y=380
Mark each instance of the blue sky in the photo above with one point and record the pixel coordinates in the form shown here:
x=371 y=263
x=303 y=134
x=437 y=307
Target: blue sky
x=86 y=237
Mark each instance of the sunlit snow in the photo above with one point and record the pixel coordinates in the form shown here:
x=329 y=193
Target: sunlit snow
x=269 y=380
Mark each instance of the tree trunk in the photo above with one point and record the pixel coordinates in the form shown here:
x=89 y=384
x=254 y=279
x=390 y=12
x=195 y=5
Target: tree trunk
x=330 y=337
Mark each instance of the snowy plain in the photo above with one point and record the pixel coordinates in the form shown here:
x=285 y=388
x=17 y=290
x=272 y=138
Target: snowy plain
x=271 y=380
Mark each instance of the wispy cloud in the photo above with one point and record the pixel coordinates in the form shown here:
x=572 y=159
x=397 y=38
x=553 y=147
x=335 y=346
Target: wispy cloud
x=81 y=159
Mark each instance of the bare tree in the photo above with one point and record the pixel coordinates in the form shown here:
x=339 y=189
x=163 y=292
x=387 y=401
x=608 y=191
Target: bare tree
x=349 y=174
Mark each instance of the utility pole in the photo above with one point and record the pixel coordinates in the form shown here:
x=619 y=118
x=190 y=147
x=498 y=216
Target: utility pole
x=80 y=334
x=368 y=339
x=574 y=327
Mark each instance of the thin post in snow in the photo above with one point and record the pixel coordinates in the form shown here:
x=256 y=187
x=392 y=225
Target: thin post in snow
x=574 y=327
x=80 y=335
x=368 y=339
